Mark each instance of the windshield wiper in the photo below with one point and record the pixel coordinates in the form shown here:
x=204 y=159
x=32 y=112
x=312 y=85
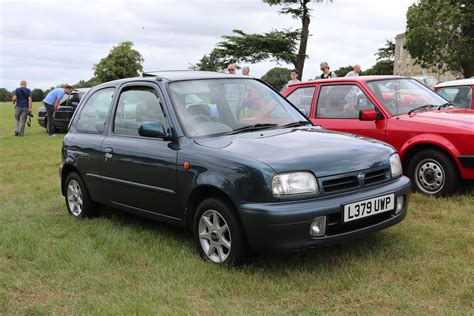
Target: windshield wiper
x=250 y=128
x=296 y=124
x=429 y=106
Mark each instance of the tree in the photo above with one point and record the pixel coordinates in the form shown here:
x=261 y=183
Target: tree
x=298 y=9
x=341 y=72
x=251 y=48
x=277 y=77
x=382 y=67
x=86 y=84
x=440 y=34
x=385 y=60
x=5 y=95
x=37 y=95
x=286 y=45
x=122 y=62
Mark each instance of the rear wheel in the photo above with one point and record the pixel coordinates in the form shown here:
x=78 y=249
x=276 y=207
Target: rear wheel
x=434 y=173
x=218 y=234
x=78 y=200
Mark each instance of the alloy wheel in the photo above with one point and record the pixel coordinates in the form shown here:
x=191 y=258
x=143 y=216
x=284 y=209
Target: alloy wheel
x=74 y=198
x=214 y=236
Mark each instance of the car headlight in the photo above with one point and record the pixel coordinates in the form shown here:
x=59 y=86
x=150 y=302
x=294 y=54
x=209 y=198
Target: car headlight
x=294 y=183
x=395 y=165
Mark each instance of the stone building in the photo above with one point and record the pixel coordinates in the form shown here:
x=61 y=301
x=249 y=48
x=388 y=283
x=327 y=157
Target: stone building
x=404 y=64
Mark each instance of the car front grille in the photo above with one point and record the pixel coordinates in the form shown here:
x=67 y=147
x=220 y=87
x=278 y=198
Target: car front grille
x=355 y=180
x=340 y=184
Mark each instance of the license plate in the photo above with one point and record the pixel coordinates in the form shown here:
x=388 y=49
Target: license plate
x=369 y=207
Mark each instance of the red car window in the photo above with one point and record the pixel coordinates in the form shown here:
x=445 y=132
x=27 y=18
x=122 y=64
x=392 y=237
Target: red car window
x=342 y=101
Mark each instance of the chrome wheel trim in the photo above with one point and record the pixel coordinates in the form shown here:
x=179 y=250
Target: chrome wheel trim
x=214 y=236
x=430 y=176
x=74 y=198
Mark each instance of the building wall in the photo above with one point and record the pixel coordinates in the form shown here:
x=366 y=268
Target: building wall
x=404 y=64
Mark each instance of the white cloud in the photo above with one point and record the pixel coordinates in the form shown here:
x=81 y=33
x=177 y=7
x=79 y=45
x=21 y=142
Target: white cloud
x=52 y=42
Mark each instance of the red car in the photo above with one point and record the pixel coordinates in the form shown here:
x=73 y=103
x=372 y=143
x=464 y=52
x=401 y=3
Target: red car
x=434 y=139
x=458 y=92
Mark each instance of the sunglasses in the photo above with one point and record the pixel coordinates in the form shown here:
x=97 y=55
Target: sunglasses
x=231 y=69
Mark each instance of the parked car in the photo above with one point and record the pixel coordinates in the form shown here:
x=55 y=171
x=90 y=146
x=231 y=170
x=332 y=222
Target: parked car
x=229 y=158
x=458 y=92
x=428 y=81
x=435 y=141
x=65 y=110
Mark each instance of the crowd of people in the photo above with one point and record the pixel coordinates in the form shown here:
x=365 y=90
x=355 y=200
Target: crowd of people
x=326 y=72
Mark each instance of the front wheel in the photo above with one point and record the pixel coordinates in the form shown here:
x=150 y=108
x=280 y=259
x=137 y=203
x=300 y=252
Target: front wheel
x=434 y=173
x=78 y=200
x=218 y=234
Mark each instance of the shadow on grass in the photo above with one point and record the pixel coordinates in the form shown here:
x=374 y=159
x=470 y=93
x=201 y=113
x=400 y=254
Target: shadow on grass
x=384 y=245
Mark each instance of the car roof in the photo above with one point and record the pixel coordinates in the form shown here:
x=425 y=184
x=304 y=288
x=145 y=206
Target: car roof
x=348 y=79
x=175 y=75
x=461 y=82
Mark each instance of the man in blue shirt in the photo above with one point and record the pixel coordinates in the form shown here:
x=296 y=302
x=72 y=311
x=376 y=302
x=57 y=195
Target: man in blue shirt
x=23 y=103
x=51 y=103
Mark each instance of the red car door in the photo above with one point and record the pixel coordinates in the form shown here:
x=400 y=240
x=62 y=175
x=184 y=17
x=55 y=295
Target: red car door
x=338 y=106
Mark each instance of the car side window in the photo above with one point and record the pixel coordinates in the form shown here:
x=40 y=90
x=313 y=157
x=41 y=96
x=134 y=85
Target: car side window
x=342 y=101
x=94 y=113
x=302 y=98
x=137 y=105
x=459 y=96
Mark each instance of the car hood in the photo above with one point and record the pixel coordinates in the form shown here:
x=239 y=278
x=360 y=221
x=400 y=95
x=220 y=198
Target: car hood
x=463 y=118
x=321 y=151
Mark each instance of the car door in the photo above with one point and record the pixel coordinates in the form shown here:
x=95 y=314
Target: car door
x=85 y=138
x=140 y=171
x=338 y=106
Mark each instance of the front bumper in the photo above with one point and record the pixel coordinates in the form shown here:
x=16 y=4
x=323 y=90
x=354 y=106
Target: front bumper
x=285 y=226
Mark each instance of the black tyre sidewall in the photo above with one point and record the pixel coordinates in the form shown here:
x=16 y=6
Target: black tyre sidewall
x=452 y=178
x=89 y=208
x=238 y=249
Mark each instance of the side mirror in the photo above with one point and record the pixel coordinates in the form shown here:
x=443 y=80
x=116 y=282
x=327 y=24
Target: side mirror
x=368 y=115
x=152 y=129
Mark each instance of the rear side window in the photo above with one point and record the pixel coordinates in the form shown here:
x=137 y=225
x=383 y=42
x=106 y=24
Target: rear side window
x=459 y=96
x=137 y=105
x=342 y=101
x=302 y=98
x=94 y=113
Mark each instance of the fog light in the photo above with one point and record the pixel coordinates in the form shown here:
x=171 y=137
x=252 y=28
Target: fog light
x=400 y=203
x=318 y=226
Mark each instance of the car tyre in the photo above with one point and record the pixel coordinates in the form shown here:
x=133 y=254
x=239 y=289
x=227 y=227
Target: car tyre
x=78 y=200
x=218 y=233
x=434 y=173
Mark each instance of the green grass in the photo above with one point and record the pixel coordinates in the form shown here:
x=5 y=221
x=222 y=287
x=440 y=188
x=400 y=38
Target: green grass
x=122 y=264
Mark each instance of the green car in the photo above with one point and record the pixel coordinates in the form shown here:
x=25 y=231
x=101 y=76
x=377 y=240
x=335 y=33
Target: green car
x=229 y=159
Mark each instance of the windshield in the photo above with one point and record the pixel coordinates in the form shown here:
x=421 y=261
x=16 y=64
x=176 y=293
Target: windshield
x=400 y=96
x=225 y=106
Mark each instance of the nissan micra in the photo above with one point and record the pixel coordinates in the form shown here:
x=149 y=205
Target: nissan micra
x=229 y=159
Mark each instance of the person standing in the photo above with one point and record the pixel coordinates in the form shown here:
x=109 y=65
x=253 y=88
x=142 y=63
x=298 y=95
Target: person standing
x=355 y=72
x=294 y=79
x=327 y=73
x=246 y=71
x=51 y=103
x=23 y=105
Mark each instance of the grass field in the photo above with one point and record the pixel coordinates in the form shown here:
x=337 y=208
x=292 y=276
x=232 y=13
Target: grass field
x=121 y=264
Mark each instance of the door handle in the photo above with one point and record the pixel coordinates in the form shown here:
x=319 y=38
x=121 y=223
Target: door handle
x=108 y=153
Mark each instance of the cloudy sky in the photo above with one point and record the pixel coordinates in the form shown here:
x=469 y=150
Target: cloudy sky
x=53 y=42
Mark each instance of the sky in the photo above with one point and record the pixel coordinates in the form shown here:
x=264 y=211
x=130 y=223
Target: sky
x=52 y=42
